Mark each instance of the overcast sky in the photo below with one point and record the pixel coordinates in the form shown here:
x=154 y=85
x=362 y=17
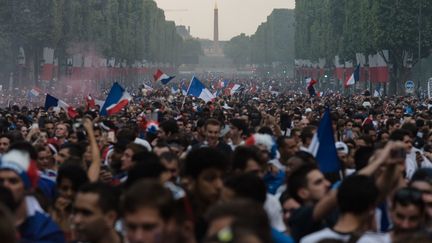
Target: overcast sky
x=235 y=16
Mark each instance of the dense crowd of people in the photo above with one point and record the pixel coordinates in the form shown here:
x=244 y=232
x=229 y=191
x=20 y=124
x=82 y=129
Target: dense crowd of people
x=170 y=168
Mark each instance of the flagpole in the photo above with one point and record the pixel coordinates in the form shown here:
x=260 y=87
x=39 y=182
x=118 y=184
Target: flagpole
x=187 y=92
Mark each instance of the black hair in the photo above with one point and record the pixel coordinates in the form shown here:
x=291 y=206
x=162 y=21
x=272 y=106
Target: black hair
x=422 y=174
x=307 y=133
x=362 y=156
x=148 y=193
x=75 y=173
x=298 y=180
x=407 y=196
x=399 y=134
x=169 y=126
x=201 y=159
x=75 y=150
x=248 y=186
x=239 y=124
x=242 y=154
x=147 y=165
x=108 y=196
x=357 y=194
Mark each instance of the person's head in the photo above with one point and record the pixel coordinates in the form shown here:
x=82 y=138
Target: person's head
x=408 y=210
x=147 y=165
x=61 y=131
x=171 y=163
x=246 y=186
x=129 y=152
x=398 y=112
x=307 y=134
x=422 y=181
x=5 y=141
x=161 y=147
x=392 y=124
x=45 y=159
x=247 y=159
x=357 y=195
x=403 y=136
x=287 y=147
x=50 y=128
x=239 y=213
x=362 y=156
x=167 y=128
x=69 y=179
x=212 y=131
x=238 y=127
x=307 y=184
x=68 y=151
x=18 y=173
x=95 y=211
x=205 y=168
x=289 y=204
x=300 y=158
x=148 y=209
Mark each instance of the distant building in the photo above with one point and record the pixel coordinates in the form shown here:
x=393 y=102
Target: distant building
x=184 y=32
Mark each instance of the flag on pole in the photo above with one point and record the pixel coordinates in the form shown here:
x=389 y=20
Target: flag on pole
x=117 y=99
x=310 y=86
x=197 y=89
x=51 y=101
x=323 y=146
x=355 y=76
x=160 y=76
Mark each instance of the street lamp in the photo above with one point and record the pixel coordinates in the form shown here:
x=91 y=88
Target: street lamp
x=419 y=46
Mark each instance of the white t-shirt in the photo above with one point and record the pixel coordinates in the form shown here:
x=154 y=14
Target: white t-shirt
x=274 y=211
x=328 y=233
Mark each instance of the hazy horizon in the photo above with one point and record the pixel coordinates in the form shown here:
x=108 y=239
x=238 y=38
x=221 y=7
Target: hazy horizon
x=234 y=17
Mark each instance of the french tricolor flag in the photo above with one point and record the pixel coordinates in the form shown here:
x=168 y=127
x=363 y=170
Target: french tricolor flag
x=51 y=101
x=310 y=82
x=160 y=76
x=323 y=146
x=355 y=76
x=35 y=92
x=116 y=100
x=197 y=89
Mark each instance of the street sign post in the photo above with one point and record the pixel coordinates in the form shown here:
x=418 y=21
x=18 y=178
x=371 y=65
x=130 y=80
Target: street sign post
x=409 y=87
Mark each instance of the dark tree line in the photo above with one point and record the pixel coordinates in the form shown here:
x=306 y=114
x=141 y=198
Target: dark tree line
x=326 y=28
x=272 y=42
x=127 y=30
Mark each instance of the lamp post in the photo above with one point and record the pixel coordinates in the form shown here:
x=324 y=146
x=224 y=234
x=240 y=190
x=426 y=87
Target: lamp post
x=419 y=47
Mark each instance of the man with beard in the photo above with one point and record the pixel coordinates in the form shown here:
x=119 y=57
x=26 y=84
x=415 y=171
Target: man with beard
x=407 y=214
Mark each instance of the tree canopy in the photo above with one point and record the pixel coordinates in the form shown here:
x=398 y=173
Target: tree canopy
x=326 y=28
x=127 y=30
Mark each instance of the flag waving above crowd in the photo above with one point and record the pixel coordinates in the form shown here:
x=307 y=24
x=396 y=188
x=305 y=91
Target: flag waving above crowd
x=160 y=76
x=116 y=100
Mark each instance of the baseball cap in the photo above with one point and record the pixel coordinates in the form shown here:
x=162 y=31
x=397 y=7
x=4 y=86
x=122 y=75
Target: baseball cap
x=342 y=147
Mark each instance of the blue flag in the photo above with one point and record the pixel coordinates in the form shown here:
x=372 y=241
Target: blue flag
x=323 y=146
